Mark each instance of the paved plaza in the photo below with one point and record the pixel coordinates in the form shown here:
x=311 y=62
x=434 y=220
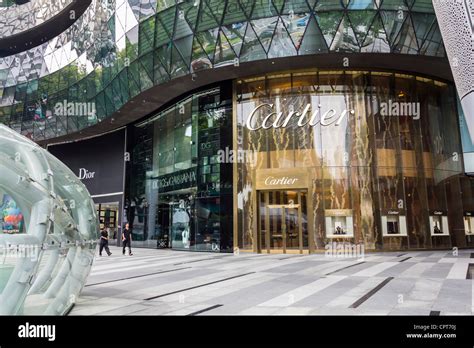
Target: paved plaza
x=166 y=282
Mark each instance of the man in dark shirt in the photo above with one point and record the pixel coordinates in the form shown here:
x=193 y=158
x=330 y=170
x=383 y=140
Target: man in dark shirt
x=127 y=239
x=104 y=242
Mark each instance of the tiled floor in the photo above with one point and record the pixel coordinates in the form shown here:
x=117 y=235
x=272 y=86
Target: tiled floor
x=165 y=282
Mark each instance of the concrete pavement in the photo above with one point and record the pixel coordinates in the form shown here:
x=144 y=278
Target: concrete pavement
x=167 y=282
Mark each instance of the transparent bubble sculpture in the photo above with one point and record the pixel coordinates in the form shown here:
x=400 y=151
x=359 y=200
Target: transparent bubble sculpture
x=48 y=230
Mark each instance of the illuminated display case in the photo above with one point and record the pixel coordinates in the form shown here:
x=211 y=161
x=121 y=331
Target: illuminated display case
x=339 y=223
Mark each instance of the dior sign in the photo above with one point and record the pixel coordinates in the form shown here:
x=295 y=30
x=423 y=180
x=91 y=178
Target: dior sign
x=276 y=120
x=85 y=174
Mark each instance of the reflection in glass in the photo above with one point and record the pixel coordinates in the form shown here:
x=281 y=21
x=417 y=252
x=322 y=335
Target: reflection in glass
x=177 y=168
x=373 y=178
x=130 y=46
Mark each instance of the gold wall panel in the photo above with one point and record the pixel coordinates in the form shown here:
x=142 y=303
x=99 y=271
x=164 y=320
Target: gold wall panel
x=288 y=178
x=367 y=164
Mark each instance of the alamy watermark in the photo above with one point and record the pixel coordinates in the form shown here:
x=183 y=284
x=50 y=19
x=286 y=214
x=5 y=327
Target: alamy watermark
x=344 y=250
x=28 y=330
x=66 y=108
x=395 y=108
x=228 y=155
x=30 y=251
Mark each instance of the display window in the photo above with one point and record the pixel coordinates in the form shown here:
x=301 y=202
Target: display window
x=108 y=218
x=394 y=225
x=469 y=224
x=176 y=170
x=439 y=225
x=339 y=224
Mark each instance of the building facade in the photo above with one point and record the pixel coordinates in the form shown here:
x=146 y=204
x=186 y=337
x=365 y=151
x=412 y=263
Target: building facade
x=265 y=126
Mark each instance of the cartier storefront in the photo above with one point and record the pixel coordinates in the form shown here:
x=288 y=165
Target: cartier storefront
x=292 y=162
x=358 y=157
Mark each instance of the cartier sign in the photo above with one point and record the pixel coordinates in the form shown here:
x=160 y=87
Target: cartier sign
x=284 y=178
x=272 y=119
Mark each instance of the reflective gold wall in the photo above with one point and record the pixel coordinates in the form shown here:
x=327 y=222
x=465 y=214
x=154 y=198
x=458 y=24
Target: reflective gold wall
x=397 y=172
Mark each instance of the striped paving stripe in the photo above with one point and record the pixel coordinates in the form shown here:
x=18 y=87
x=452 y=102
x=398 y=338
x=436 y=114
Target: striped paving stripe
x=137 y=265
x=322 y=269
x=250 y=263
x=346 y=267
x=403 y=260
x=123 y=269
x=416 y=270
x=228 y=287
x=106 y=260
x=458 y=271
x=204 y=310
x=423 y=295
x=199 y=260
x=374 y=270
x=448 y=260
x=153 y=282
x=190 y=280
x=197 y=286
x=267 y=265
x=375 y=258
x=354 y=294
x=370 y=293
x=117 y=262
x=136 y=276
x=297 y=294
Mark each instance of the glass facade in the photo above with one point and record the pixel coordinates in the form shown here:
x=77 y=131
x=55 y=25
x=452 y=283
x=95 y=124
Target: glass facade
x=120 y=48
x=179 y=190
x=292 y=161
x=17 y=18
x=354 y=156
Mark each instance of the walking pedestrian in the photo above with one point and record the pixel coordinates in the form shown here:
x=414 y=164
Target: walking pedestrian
x=104 y=242
x=127 y=239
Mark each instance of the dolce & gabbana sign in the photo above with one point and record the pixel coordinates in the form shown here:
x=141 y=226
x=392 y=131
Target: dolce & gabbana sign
x=178 y=180
x=276 y=120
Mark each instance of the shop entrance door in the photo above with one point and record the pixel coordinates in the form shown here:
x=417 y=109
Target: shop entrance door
x=108 y=218
x=176 y=219
x=283 y=225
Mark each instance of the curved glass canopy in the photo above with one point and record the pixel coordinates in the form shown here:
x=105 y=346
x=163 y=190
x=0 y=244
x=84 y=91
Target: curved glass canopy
x=49 y=230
